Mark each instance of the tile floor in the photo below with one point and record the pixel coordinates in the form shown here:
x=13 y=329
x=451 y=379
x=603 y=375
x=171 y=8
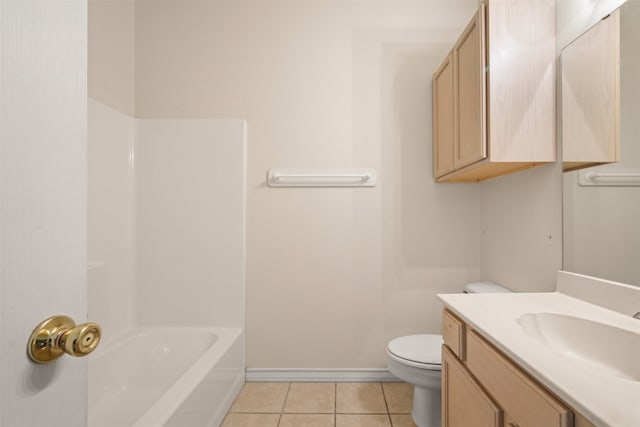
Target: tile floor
x=322 y=405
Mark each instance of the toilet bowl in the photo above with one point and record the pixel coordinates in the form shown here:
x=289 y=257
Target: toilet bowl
x=416 y=359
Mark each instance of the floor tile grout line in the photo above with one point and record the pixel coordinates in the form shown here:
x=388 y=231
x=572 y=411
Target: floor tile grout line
x=319 y=413
x=384 y=396
x=280 y=418
x=335 y=405
x=386 y=404
x=284 y=404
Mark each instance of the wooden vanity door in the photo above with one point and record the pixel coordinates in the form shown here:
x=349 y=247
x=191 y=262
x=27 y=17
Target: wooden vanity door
x=464 y=402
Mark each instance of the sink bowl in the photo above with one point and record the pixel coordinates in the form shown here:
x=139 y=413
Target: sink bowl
x=596 y=346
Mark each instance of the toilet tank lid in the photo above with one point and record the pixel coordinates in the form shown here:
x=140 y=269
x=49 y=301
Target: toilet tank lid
x=485 y=288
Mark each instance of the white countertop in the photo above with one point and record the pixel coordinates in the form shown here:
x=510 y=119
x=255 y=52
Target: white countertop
x=605 y=400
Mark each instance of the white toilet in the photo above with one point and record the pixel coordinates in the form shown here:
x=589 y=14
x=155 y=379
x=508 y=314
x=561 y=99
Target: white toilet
x=416 y=359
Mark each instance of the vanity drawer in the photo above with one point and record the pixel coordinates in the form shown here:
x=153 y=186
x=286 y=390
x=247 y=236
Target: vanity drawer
x=521 y=397
x=453 y=333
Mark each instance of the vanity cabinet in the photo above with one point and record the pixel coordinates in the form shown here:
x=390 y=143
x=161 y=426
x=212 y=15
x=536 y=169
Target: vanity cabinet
x=494 y=94
x=591 y=96
x=483 y=387
x=464 y=402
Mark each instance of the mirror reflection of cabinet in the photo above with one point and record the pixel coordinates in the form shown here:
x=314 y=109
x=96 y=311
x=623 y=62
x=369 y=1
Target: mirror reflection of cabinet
x=591 y=96
x=601 y=226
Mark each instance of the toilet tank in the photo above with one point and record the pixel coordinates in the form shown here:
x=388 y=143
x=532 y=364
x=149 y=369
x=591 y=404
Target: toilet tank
x=485 y=288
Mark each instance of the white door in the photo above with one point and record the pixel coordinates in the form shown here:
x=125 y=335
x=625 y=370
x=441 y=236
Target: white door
x=43 y=95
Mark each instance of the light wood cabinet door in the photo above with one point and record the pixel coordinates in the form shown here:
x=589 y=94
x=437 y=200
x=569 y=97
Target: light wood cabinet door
x=591 y=96
x=453 y=334
x=443 y=118
x=469 y=92
x=504 y=91
x=528 y=403
x=509 y=421
x=464 y=402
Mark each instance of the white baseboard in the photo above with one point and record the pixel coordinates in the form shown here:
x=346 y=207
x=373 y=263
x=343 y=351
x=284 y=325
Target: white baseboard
x=320 y=375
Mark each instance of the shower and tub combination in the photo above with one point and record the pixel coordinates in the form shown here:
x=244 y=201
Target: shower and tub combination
x=166 y=269
x=170 y=377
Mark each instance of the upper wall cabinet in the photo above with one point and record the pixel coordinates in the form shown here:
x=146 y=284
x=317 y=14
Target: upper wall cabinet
x=443 y=118
x=591 y=96
x=458 y=92
x=494 y=95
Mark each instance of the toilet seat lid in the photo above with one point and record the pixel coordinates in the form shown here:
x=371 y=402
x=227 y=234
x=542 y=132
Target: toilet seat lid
x=418 y=348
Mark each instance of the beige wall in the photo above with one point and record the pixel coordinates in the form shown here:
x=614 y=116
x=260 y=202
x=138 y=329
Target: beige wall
x=521 y=229
x=111 y=53
x=521 y=224
x=190 y=216
x=332 y=274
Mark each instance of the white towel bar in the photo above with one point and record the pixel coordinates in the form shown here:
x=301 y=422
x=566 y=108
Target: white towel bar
x=321 y=178
x=618 y=179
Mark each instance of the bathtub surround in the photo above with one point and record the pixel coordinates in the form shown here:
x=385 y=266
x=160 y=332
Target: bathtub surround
x=166 y=250
x=166 y=221
x=111 y=219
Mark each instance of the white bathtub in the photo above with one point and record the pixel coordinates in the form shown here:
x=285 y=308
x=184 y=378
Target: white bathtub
x=166 y=377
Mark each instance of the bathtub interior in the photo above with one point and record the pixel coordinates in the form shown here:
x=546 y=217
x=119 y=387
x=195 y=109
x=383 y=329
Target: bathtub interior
x=166 y=377
x=136 y=369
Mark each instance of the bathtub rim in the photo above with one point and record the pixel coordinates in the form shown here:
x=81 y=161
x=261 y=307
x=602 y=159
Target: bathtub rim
x=171 y=400
x=168 y=403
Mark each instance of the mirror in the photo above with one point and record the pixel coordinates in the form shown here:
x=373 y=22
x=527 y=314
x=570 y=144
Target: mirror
x=601 y=204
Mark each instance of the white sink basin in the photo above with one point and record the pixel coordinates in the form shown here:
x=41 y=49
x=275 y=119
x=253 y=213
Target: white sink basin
x=596 y=346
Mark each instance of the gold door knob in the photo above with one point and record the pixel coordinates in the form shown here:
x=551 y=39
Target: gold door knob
x=60 y=334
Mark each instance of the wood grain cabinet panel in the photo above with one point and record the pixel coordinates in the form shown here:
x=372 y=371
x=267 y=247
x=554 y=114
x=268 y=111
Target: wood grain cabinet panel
x=443 y=118
x=528 y=404
x=504 y=93
x=464 y=402
x=470 y=143
x=591 y=97
x=486 y=388
x=453 y=333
